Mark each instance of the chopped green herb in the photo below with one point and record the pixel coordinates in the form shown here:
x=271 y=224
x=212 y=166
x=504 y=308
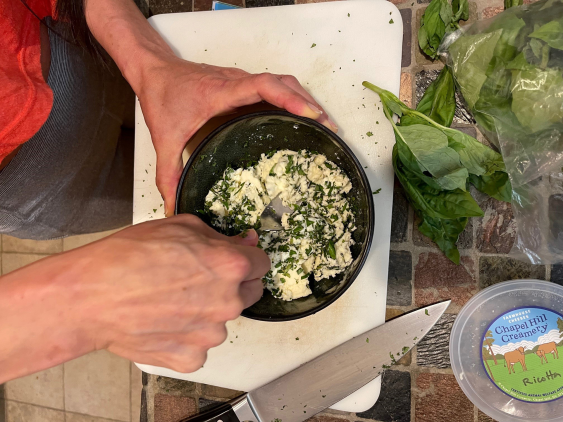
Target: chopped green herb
x=314 y=45
x=331 y=250
x=377 y=191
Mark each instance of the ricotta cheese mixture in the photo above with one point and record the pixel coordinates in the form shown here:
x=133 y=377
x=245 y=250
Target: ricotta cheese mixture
x=317 y=236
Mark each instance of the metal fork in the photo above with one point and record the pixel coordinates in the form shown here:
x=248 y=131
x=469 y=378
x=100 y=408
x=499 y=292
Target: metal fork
x=271 y=217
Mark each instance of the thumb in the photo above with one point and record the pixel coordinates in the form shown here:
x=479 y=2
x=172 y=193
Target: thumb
x=246 y=238
x=168 y=173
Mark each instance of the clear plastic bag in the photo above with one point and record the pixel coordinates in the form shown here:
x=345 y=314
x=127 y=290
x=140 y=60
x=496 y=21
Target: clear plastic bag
x=509 y=70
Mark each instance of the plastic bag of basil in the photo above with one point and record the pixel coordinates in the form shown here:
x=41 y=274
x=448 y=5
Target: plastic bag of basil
x=509 y=70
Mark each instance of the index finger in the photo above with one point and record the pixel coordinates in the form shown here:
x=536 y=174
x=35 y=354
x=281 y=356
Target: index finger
x=259 y=261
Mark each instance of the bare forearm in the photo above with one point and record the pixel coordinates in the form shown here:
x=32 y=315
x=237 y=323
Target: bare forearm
x=39 y=325
x=125 y=34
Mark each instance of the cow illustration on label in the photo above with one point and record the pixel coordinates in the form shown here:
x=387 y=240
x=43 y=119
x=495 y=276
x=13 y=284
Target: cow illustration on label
x=515 y=356
x=515 y=350
x=550 y=347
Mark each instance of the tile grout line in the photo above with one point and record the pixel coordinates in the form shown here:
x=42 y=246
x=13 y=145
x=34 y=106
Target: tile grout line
x=60 y=410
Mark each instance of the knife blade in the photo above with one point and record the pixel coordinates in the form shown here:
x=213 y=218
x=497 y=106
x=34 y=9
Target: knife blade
x=330 y=377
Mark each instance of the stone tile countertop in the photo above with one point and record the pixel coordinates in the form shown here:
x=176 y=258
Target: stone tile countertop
x=421 y=387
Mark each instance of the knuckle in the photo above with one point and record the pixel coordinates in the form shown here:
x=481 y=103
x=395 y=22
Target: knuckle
x=264 y=78
x=291 y=78
x=237 y=264
x=233 y=264
x=217 y=335
x=232 y=310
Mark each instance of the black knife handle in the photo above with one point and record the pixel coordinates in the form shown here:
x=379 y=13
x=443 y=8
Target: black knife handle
x=226 y=412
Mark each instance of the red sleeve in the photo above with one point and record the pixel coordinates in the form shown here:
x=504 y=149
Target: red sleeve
x=25 y=98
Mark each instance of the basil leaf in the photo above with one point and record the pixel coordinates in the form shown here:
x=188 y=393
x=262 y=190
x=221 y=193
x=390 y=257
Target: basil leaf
x=497 y=185
x=388 y=99
x=439 y=19
x=551 y=33
x=432 y=27
x=511 y=39
x=477 y=158
x=411 y=119
x=519 y=63
x=331 y=250
x=471 y=55
x=460 y=9
x=536 y=97
x=444 y=232
x=512 y=3
x=434 y=202
x=438 y=101
x=446 y=12
x=425 y=151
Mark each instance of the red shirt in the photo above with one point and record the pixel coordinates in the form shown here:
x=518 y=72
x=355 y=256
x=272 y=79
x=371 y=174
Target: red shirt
x=25 y=98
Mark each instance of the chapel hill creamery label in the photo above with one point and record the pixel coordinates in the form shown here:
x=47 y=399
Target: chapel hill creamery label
x=520 y=353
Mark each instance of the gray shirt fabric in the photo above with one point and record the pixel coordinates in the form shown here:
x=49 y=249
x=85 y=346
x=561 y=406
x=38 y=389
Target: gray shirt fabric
x=75 y=175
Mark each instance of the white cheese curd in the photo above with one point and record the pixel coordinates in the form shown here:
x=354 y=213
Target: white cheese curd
x=317 y=236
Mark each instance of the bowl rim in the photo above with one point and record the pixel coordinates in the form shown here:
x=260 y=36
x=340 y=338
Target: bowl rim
x=371 y=209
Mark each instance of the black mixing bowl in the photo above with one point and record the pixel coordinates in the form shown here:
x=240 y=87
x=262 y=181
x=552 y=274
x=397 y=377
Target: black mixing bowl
x=241 y=142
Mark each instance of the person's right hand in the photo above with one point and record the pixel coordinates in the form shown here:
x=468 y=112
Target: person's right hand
x=161 y=292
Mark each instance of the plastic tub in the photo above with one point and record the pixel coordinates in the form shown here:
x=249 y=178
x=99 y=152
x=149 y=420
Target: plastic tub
x=504 y=351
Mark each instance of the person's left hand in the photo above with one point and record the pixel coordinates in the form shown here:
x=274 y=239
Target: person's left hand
x=178 y=97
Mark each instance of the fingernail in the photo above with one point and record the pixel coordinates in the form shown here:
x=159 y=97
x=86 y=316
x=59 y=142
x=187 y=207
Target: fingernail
x=315 y=108
x=332 y=125
x=249 y=235
x=167 y=212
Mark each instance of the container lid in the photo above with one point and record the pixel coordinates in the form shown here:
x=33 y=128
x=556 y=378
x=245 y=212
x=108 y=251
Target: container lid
x=506 y=351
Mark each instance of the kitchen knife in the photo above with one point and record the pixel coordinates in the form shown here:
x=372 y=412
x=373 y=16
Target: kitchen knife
x=330 y=377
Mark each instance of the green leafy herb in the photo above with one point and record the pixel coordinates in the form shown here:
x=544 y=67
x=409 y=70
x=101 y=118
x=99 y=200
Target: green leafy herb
x=445 y=233
x=434 y=164
x=426 y=312
x=331 y=251
x=369 y=133
x=439 y=19
x=496 y=185
x=438 y=101
x=551 y=33
x=475 y=66
x=391 y=21
x=540 y=107
x=314 y=45
x=376 y=191
x=425 y=151
x=512 y=3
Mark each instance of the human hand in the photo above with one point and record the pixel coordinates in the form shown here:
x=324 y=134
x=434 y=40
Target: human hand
x=178 y=97
x=161 y=292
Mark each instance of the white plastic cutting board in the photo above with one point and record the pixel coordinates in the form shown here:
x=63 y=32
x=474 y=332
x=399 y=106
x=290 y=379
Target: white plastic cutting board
x=353 y=41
